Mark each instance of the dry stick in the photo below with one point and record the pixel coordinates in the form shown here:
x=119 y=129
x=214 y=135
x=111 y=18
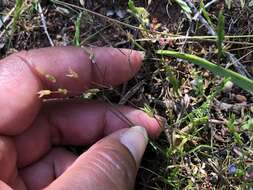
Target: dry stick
x=131 y=92
x=44 y=25
x=6 y=18
x=114 y=109
x=189 y=37
x=6 y=27
x=238 y=66
x=187 y=34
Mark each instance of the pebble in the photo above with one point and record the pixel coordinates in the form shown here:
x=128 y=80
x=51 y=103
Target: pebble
x=109 y=13
x=228 y=86
x=121 y=13
x=213 y=178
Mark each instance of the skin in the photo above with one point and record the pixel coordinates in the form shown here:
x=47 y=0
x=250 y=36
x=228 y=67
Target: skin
x=33 y=131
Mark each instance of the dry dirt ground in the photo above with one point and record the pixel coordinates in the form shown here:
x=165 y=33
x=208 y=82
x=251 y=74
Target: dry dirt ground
x=207 y=143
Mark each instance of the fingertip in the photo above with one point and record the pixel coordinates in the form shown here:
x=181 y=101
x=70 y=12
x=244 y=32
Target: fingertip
x=134 y=58
x=161 y=121
x=135 y=139
x=137 y=57
x=142 y=55
x=4 y=186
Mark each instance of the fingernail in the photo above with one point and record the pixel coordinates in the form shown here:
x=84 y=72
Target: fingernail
x=161 y=120
x=136 y=140
x=142 y=54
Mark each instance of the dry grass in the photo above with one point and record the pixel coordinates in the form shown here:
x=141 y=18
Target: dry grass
x=208 y=140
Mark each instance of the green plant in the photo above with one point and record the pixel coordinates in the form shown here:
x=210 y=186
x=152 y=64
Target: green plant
x=147 y=109
x=172 y=79
x=243 y=82
x=140 y=13
x=77 y=30
x=17 y=13
x=184 y=7
x=205 y=13
x=248 y=124
x=198 y=86
x=220 y=34
x=231 y=125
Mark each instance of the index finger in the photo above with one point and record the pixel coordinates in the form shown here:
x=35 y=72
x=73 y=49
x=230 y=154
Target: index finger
x=24 y=74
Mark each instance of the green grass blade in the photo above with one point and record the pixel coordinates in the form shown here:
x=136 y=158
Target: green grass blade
x=205 y=13
x=184 y=6
x=77 y=30
x=17 y=13
x=139 y=12
x=220 y=33
x=132 y=7
x=243 y=82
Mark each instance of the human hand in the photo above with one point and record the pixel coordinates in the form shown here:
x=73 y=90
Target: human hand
x=31 y=132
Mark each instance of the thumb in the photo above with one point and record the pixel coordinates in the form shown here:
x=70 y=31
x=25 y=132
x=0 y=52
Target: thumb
x=110 y=164
x=4 y=186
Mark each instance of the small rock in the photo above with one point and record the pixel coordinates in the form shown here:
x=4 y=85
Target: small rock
x=213 y=178
x=206 y=74
x=2 y=45
x=62 y=10
x=228 y=86
x=232 y=169
x=121 y=13
x=109 y=13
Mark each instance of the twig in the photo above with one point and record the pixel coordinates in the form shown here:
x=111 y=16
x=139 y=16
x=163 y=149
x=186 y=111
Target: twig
x=114 y=109
x=237 y=108
x=3 y=22
x=219 y=122
x=44 y=25
x=187 y=35
x=217 y=170
x=6 y=27
x=239 y=67
x=131 y=92
x=6 y=18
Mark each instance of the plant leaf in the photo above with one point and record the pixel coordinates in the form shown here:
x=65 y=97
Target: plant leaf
x=184 y=6
x=139 y=12
x=205 y=13
x=243 y=82
x=77 y=30
x=220 y=33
